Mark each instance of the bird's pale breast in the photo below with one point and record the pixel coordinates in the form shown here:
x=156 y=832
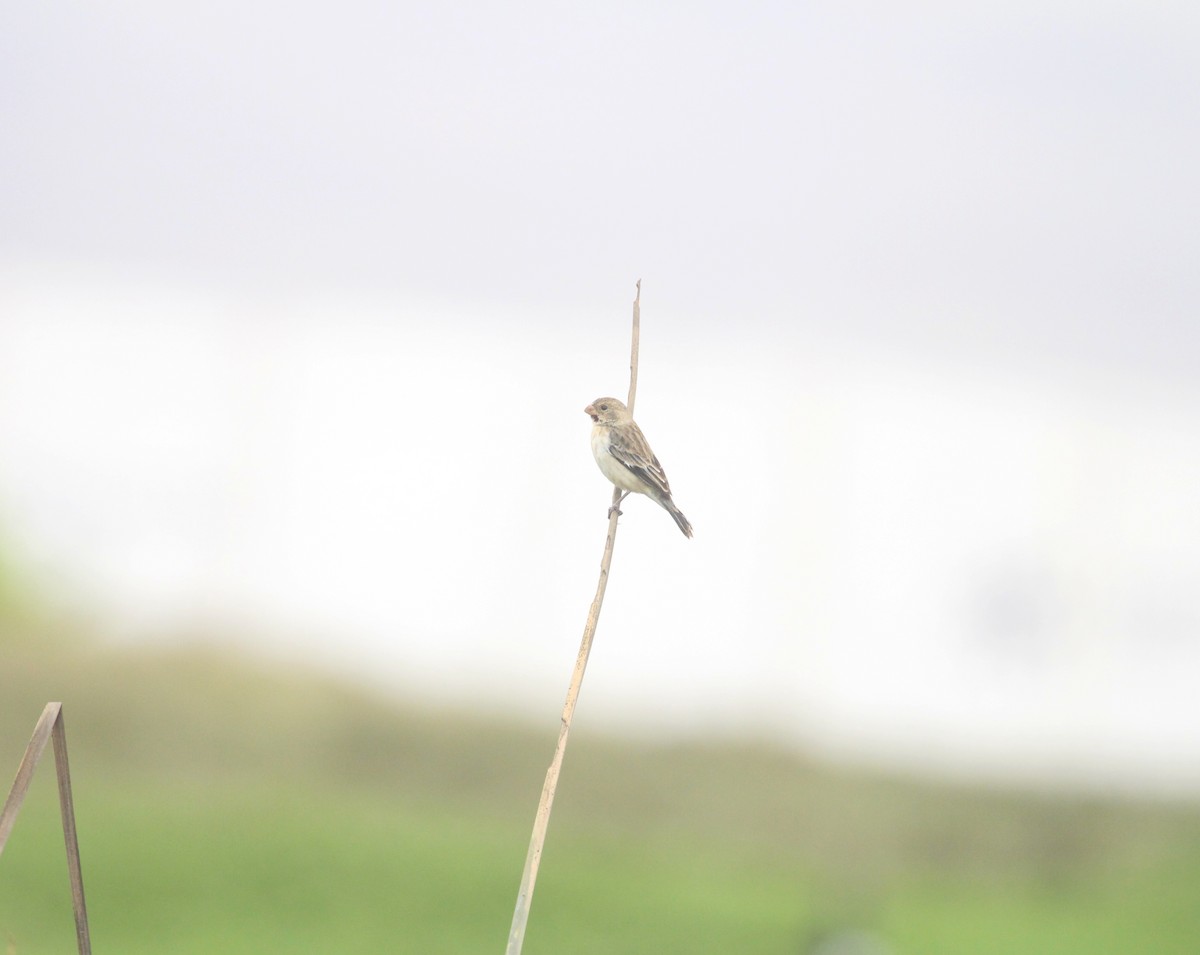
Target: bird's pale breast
x=610 y=467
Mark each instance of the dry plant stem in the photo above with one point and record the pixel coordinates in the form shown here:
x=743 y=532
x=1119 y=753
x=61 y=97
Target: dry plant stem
x=20 y=786
x=52 y=726
x=516 y=935
x=67 y=806
x=633 y=352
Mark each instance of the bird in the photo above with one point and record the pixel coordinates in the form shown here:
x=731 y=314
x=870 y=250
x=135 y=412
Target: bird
x=624 y=457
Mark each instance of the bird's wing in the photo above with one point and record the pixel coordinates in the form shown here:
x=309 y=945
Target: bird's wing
x=629 y=446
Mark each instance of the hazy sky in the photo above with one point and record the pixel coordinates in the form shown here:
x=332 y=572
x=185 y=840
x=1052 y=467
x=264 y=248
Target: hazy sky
x=299 y=309
x=939 y=172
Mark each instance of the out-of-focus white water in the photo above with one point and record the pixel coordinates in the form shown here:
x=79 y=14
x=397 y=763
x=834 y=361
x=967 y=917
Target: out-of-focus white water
x=920 y=561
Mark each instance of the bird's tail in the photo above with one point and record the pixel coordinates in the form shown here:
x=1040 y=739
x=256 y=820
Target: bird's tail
x=684 y=524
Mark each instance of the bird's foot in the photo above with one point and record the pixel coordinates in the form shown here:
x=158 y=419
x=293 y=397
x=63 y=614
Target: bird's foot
x=615 y=510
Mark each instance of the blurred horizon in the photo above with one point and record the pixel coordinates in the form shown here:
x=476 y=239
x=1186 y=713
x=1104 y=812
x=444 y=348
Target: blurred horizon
x=256 y=807
x=299 y=311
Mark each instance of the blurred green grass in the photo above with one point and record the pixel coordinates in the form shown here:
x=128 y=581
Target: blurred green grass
x=232 y=806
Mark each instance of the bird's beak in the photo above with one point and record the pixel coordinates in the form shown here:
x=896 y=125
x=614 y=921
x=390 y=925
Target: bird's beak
x=591 y=411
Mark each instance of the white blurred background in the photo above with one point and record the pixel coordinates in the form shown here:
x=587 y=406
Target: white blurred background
x=300 y=307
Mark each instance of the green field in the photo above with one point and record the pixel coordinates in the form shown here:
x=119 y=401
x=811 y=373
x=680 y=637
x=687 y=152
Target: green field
x=229 y=807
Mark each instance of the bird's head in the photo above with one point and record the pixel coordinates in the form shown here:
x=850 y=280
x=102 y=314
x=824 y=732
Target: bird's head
x=610 y=411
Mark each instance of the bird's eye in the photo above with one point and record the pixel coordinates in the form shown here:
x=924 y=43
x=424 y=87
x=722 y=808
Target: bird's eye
x=604 y=407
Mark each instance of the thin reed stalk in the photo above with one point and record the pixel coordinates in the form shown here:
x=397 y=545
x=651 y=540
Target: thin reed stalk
x=51 y=727
x=516 y=935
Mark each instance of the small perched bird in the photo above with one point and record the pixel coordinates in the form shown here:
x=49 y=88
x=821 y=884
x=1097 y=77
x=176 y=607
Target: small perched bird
x=625 y=458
